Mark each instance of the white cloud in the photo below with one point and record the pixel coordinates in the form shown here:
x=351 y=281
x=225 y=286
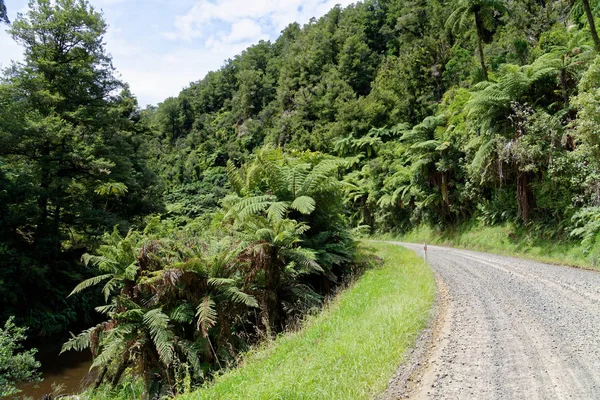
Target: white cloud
x=244 y=29
x=9 y=49
x=154 y=77
x=276 y=13
x=166 y=44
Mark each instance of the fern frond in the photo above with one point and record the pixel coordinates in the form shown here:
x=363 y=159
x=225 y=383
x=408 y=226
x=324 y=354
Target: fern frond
x=79 y=342
x=304 y=204
x=89 y=282
x=482 y=155
x=207 y=315
x=241 y=298
x=90 y=259
x=105 y=309
x=158 y=322
x=108 y=354
x=108 y=288
x=250 y=206
x=192 y=352
x=220 y=282
x=320 y=173
x=277 y=210
x=183 y=313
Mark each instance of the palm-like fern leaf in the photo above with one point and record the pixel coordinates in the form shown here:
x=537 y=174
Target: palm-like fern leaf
x=240 y=297
x=158 y=323
x=89 y=282
x=207 y=315
x=79 y=342
x=304 y=204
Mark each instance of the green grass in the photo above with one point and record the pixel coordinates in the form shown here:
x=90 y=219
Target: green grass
x=506 y=240
x=348 y=351
x=129 y=388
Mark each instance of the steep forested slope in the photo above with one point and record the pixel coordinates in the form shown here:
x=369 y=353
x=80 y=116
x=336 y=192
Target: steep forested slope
x=382 y=115
x=438 y=134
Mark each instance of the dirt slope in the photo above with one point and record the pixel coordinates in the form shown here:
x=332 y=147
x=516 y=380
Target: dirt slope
x=511 y=329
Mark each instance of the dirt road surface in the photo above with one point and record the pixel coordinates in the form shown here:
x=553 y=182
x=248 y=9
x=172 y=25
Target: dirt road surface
x=509 y=329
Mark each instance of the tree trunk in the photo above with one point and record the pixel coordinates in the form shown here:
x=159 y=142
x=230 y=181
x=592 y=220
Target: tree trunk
x=590 y=18
x=270 y=314
x=523 y=196
x=367 y=216
x=563 y=82
x=479 y=26
x=119 y=373
x=100 y=377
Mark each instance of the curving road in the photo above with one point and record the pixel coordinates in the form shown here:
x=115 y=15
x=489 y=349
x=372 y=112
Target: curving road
x=510 y=329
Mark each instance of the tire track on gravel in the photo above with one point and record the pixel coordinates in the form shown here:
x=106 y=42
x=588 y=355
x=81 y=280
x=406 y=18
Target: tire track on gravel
x=514 y=329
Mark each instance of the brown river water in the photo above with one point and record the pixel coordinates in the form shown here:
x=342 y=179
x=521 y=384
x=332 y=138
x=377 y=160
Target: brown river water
x=68 y=373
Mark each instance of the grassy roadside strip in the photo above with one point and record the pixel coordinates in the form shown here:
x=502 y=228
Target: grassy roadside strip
x=504 y=240
x=348 y=351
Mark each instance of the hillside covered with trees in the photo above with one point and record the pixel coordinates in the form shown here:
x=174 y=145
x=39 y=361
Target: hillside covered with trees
x=214 y=219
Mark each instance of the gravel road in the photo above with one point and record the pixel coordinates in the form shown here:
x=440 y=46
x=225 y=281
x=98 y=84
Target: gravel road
x=510 y=329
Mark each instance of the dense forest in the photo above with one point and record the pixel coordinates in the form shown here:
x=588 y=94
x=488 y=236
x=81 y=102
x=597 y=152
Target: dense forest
x=196 y=228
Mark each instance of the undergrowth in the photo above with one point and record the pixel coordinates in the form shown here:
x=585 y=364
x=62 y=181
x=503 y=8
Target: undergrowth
x=350 y=350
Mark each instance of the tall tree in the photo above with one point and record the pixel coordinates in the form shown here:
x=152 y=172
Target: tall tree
x=483 y=12
x=3 y=14
x=576 y=4
x=67 y=150
x=66 y=80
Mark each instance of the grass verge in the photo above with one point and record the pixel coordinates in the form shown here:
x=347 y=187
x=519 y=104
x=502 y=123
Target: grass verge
x=348 y=351
x=505 y=240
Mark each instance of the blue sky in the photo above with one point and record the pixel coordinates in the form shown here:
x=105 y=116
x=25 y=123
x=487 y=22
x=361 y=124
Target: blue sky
x=160 y=46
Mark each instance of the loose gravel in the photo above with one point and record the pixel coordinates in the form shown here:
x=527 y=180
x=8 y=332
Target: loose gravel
x=511 y=329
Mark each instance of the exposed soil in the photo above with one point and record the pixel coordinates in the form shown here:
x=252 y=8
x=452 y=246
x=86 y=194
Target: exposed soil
x=512 y=329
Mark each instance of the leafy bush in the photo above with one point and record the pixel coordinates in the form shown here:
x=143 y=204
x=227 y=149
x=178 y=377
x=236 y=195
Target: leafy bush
x=16 y=365
x=586 y=224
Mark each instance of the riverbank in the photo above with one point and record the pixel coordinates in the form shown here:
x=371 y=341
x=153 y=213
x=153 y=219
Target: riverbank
x=63 y=374
x=349 y=350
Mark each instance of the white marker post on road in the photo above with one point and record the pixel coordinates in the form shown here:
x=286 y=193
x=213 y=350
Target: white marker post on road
x=425 y=252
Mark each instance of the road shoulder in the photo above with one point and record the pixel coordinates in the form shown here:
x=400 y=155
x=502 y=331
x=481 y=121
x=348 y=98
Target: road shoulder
x=412 y=378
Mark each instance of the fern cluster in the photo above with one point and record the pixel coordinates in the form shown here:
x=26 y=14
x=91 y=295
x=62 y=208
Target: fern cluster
x=179 y=296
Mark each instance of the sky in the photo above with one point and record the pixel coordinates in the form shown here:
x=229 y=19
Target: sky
x=161 y=46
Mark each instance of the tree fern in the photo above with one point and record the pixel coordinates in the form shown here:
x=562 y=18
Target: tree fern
x=112 y=189
x=207 y=316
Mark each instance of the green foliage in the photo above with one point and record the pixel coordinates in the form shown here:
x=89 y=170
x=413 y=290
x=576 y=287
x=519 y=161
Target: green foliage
x=166 y=295
x=483 y=13
x=183 y=295
x=371 y=324
x=16 y=365
x=72 y=160
x=3 y=15
x=256 y=207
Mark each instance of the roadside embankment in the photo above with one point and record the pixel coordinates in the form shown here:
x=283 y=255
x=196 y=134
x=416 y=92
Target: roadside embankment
x=508 y=240
x=351 y=349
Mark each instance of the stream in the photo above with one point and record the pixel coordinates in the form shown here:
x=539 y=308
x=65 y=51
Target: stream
x=64 y=374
